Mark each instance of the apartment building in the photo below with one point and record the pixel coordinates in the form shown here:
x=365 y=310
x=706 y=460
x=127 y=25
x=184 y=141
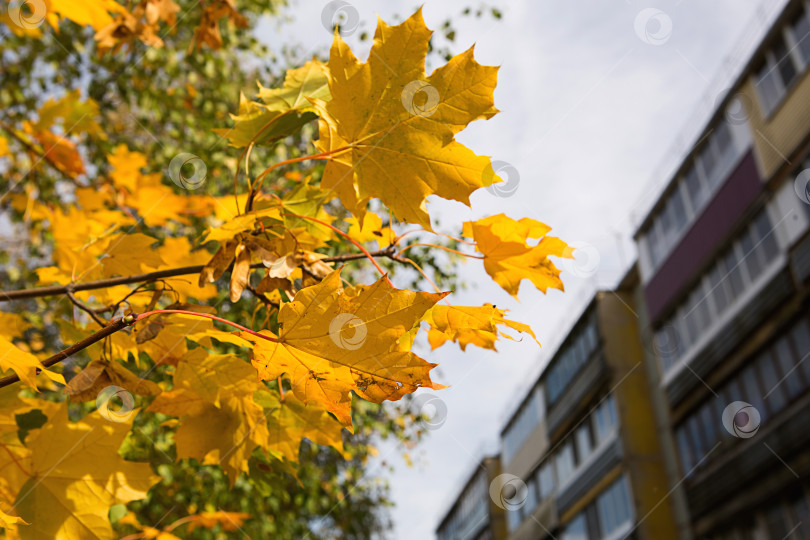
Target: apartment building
x=580 y=455
x=474 y=515
x=724 y=260
x=678 y=406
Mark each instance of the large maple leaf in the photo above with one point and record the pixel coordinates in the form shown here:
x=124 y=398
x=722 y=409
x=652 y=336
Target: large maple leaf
x=397 y=124
x=332 y=342
x=76 y=475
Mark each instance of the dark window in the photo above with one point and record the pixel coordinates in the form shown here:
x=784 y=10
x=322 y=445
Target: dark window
x=685 y=450
x=801 y=34
x=732 y=273
x=753 y=392
x=750 y=257
x=787 y=364
x=765 y=235
x=784 y=63
x=775 y=399
x=698 y=191
x=717 y=290
x=800 y=336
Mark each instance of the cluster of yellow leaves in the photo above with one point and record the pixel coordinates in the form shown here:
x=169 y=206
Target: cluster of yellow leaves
x=63 y=479
x=142 y=23
x=116 y=25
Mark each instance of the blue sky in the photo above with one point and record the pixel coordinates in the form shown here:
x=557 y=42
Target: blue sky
x=599 y=101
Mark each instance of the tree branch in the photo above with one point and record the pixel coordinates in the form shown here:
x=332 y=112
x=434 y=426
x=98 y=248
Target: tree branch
x=114 y=326
x=57 y=290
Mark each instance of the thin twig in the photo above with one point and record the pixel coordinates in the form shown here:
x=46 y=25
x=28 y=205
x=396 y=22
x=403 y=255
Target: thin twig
x=84 y=307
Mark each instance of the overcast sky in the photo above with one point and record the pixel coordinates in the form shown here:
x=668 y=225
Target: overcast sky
x=599 y=99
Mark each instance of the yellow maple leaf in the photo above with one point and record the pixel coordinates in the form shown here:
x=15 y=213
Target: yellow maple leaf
x=398 y=124
x=291 y=420
x=283 y=110
x=76 y=475
x=24 y=364
x=221 y=425
x=470 y=325
x=331 y=343
x=126 y=166
x=509 y=259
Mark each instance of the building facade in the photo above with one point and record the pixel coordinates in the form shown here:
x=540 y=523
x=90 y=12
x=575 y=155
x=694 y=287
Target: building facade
x=584 y=441
x=723 y=261
x=679 y=404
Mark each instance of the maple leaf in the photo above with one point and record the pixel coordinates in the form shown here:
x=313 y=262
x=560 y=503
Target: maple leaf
x=470 y=325
x=509 y=259
x=291 y=420
x=398 y=149
x=221 y=425
x=283 y=111
x=61 y=152
x=24 y=364
x=76 y=475
x=332 y=343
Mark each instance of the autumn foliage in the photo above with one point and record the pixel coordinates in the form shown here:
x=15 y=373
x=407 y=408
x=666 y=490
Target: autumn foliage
x=236 y=393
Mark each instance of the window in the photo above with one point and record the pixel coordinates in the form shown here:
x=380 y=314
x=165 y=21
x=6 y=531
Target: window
x=717 y=291
x=545 y=479
x=576 y=529
x=770 y=382
x=800 y=337
x=765 y=236
x=565 y=462
x=531 y=499
x=685 y=450
x=513 y=519
x=769 y=87
x=583 y=437
x=698 y=190
x=791 y=378
x=750 y=257
x=801 y=36
x=523 y=423
x=784 y=62
x=605 y=416
x=571 y=358
x=614 y=507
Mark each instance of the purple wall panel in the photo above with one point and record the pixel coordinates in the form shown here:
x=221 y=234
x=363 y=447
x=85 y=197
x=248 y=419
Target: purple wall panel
x=704 y=237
